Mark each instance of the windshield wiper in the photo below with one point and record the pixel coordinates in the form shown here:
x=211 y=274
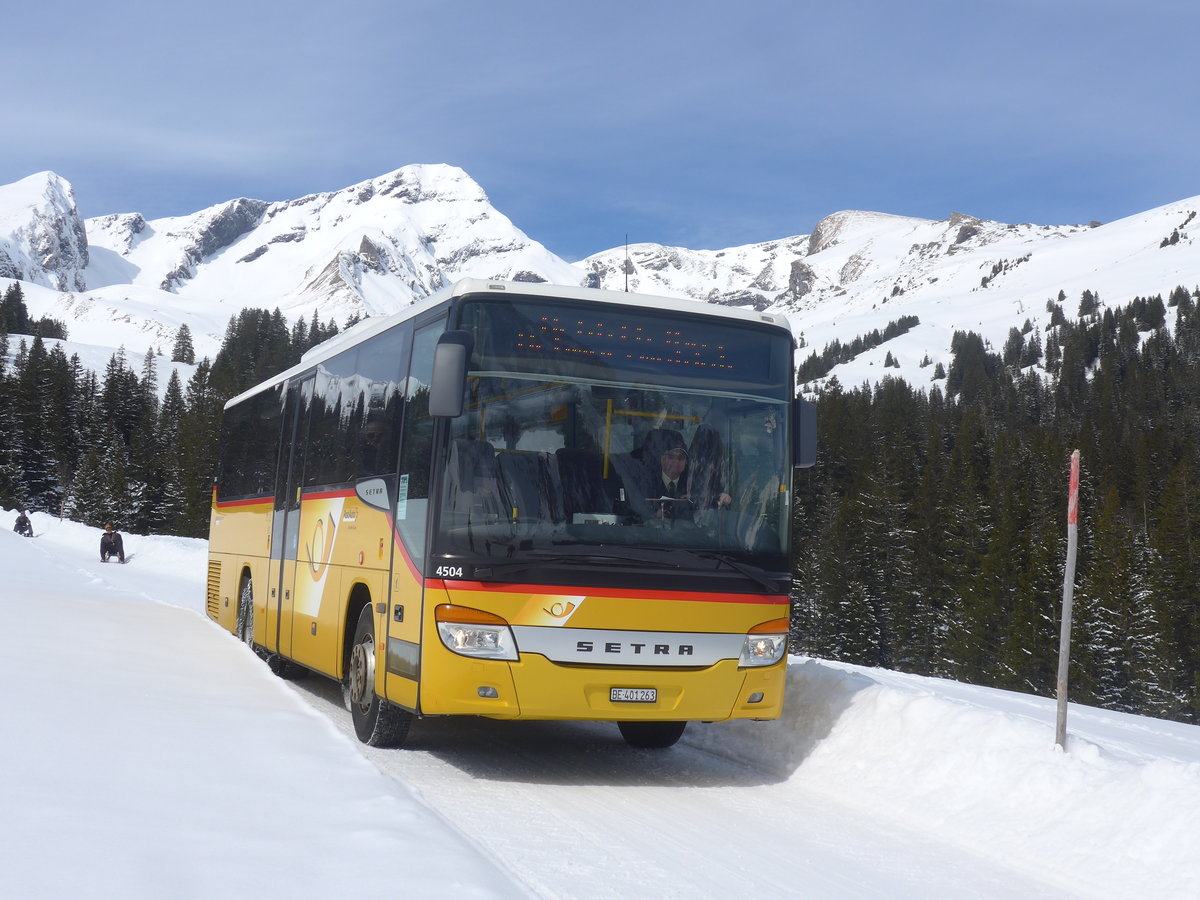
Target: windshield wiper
x=754 y=573
x=601 y=559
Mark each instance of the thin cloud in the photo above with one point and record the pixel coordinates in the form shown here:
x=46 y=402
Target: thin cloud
x=702 y=123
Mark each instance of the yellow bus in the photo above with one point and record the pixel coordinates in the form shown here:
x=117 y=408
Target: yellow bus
x=521 y=501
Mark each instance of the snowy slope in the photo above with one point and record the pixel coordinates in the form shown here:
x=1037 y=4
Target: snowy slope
x=1024 y=268
x=127 y=316
x=149 y=755
x=857 y=271
x=201 y=775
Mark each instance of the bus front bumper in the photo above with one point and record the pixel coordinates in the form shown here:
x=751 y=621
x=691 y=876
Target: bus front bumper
x=536 y=688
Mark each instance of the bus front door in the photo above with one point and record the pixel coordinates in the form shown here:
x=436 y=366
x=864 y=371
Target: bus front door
x=285 y=524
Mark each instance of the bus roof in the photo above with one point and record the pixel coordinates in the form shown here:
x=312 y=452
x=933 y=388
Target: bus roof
x=376 y=325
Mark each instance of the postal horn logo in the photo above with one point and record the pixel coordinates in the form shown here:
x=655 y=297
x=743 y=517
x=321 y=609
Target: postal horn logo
x=322 y=544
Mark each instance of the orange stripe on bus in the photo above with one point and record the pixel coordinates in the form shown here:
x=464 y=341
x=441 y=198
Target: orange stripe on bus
x=328 y=495
x=596 y=591
x=412 y=567
x=253 y=501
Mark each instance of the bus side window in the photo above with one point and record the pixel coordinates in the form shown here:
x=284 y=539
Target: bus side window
x=382 y=365
x=416 y=446
x=249 y=435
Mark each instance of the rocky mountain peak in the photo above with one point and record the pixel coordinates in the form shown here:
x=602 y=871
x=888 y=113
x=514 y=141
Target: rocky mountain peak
x=840 y=227
x=42 y=237
x=369 y=248
x=123 y=228
x=210 y=231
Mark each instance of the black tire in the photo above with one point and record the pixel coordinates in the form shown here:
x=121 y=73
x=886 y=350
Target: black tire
x=651 y=735
x=376 y=722
x=245 y=613
x=245 y=633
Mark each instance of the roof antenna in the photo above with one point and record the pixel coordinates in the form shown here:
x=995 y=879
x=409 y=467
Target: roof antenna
x=627 y=263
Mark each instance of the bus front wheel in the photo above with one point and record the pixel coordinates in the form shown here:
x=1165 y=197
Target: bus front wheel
x=376 y=722
x=651 y=735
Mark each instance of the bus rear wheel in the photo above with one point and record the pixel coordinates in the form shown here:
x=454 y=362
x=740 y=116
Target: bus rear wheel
x=376 y=722
x=651 y=735
x=245 y=632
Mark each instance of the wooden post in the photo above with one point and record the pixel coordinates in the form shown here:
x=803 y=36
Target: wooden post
x=1064 y=639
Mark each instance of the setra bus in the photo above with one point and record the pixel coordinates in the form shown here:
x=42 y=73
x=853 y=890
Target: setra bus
x=468 y=508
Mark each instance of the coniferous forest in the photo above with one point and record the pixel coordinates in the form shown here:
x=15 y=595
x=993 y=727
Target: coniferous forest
x=930 y=536
x=106 y=448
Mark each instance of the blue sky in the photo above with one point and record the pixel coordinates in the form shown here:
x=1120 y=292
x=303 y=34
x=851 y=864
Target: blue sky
x=697 y=124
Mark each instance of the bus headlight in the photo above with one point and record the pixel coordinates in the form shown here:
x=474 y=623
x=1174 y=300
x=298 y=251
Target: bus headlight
x=475 y=633
x=765 y=644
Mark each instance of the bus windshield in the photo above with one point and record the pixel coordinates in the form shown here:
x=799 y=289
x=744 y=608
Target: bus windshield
x=586 y=450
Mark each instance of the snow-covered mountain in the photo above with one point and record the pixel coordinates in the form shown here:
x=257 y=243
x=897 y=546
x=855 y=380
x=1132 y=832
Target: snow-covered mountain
x=366 y=249
x=850 y=254
x=370 y=249
x=377 y=246
x=857 y=271
x=42 y=238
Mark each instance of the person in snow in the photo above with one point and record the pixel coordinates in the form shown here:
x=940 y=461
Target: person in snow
x=111 y=545
x=23 y=525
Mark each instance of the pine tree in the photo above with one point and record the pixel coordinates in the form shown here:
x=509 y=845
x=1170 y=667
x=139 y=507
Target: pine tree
x=147 y=389
x=971 y=639
x=183 y=351
x=121 y=396
x=14 y=315
x=299 y=335
x=85 y=500
x=848 y=622
x=67 y=376
x=12 y=487
x=924 y=646
x=1089 y=304
x=1123 y=662
x=100 y=493
x=1016 y=569
x=1174 y=578
x=1014 y=347
x=173 y=498
x=198 y=433
x=1032 y=354
x=146 y=479
x=34 y=438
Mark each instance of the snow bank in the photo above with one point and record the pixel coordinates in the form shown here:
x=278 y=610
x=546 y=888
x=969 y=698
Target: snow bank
x=148 y=754
x=156 y=757
x=978 y=768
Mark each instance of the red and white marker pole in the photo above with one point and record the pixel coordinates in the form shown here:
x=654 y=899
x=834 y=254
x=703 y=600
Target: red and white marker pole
x=1064 y=639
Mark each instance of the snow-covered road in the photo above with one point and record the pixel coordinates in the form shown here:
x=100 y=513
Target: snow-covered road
x=575 y=813
x=872 y=784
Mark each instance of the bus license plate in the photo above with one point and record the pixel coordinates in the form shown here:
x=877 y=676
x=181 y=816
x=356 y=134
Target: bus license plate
x=633 y=695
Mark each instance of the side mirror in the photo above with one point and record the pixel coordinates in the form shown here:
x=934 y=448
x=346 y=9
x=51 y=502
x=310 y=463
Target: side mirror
x=804 y=433
x=450 y=374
